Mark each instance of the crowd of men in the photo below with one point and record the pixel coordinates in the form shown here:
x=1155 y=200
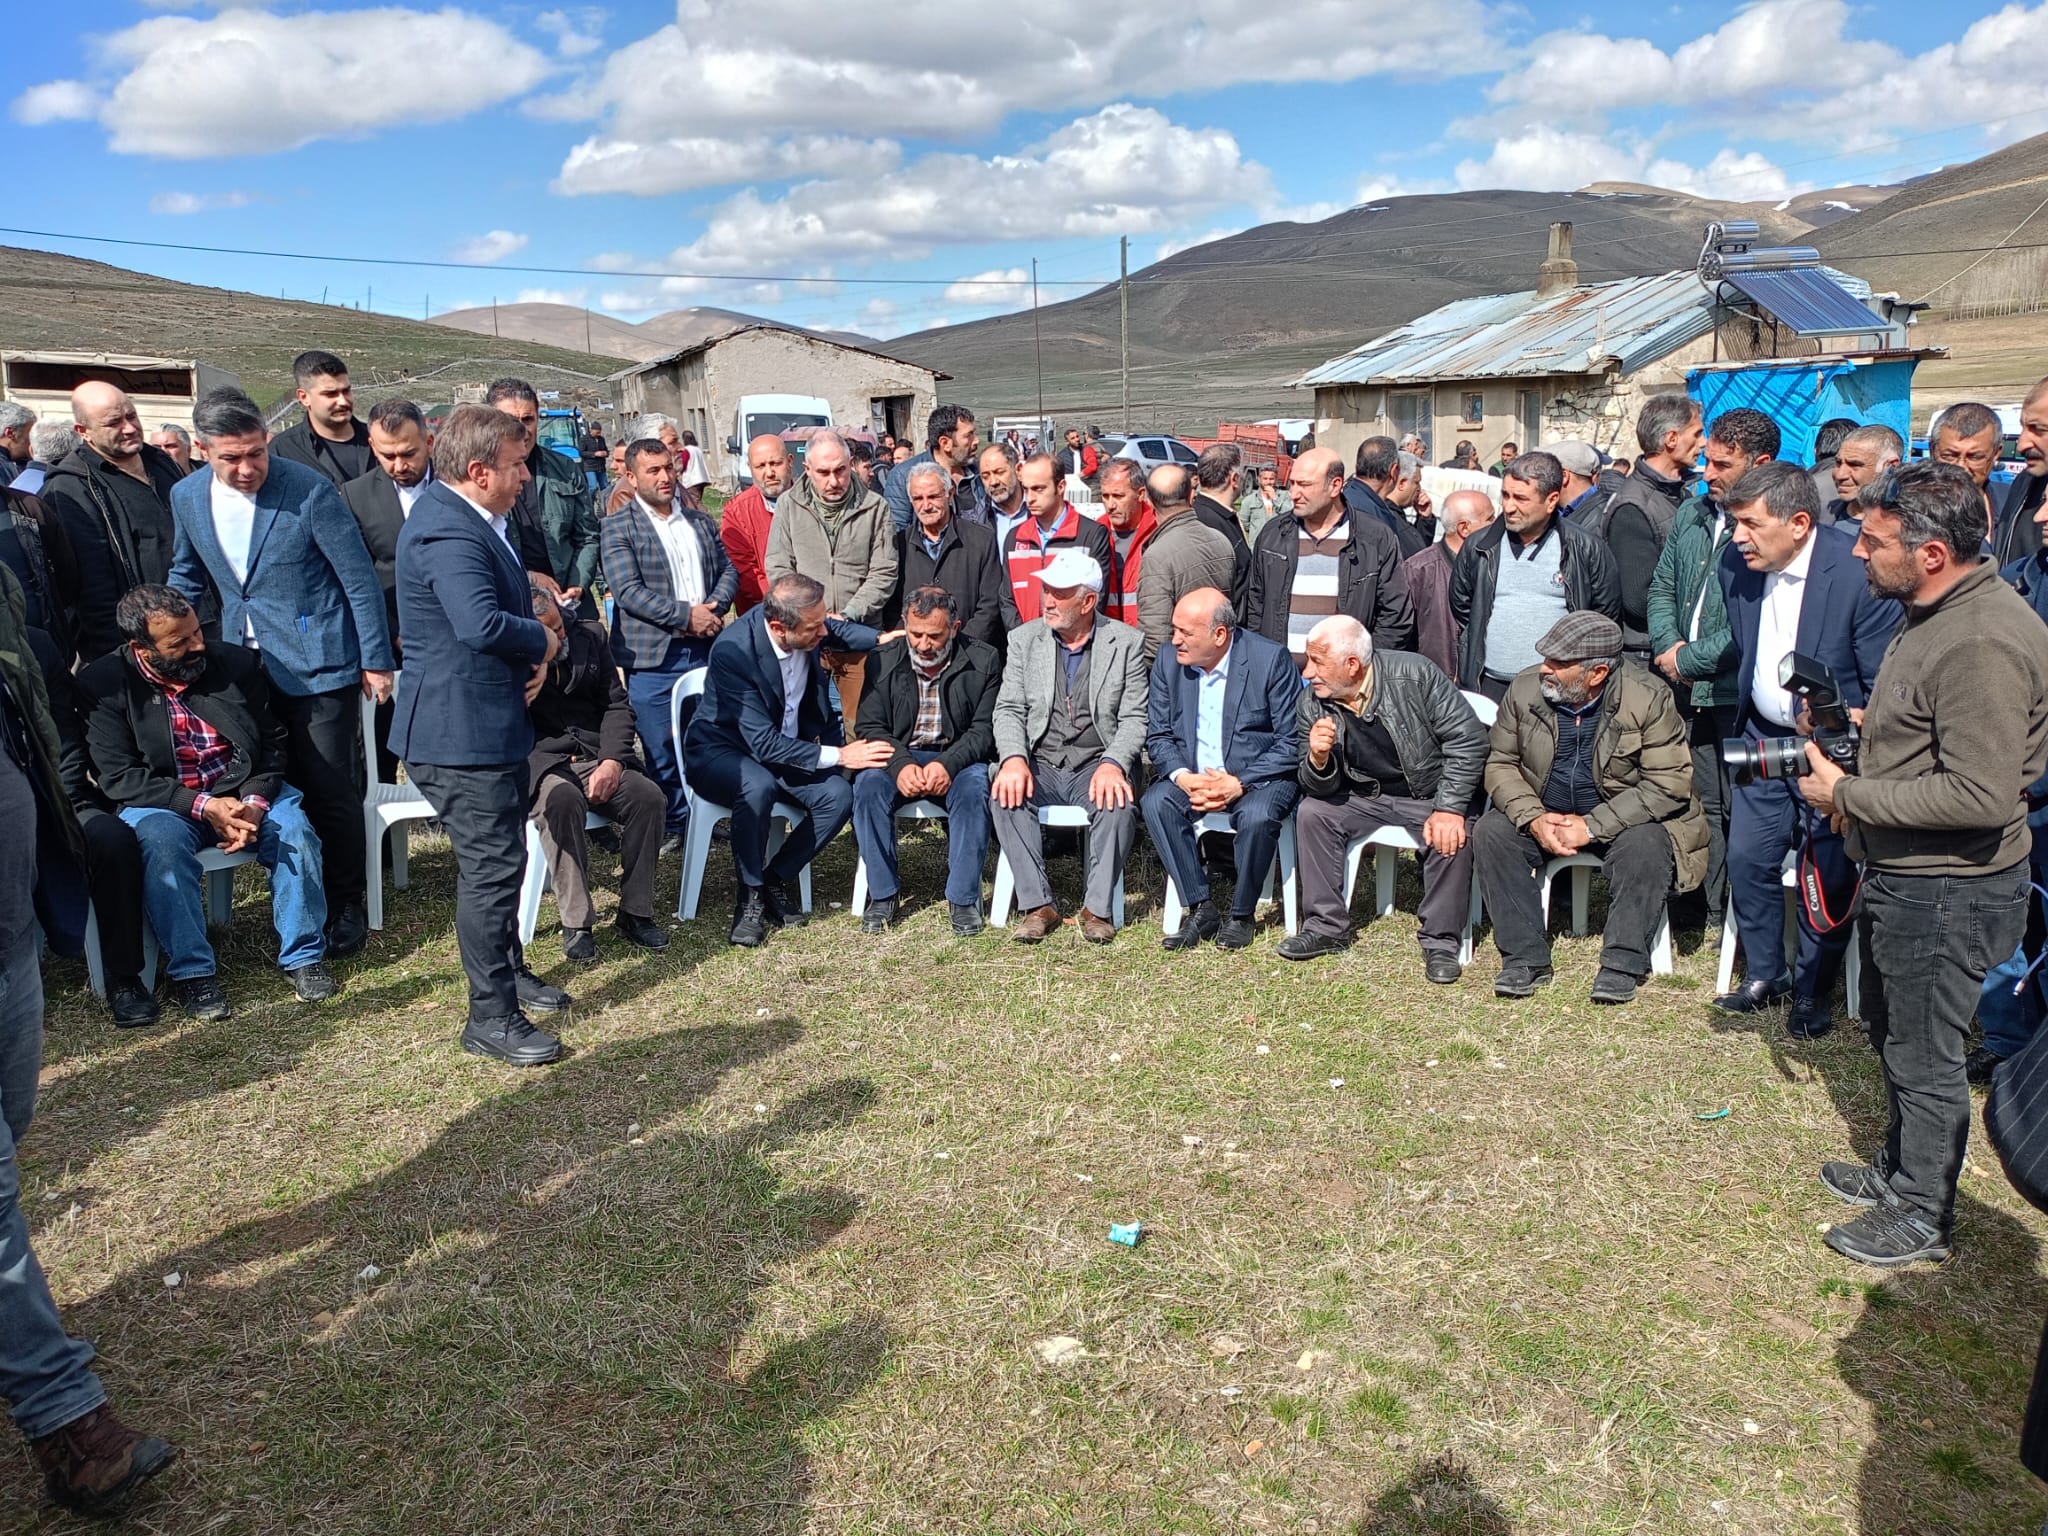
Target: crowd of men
x=196 y=624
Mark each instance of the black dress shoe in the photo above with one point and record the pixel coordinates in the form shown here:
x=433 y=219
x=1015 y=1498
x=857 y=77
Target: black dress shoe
x=1811 y=1017
x=1441 y=967
x=1199 y=922
x=643 y=931
x=1236 y=933
x=785 y=906
x=347 y=931
x=880 y=914
x=1754 y=996
x=1518 y=980
x=313 y=983
x=511 y=1040
x=577 y=944
x=131 y=1003
x=202 y=998
x=749 y=918
x=1309 y=945
x=966 y=918
x=538 y=995
x=1611 y=987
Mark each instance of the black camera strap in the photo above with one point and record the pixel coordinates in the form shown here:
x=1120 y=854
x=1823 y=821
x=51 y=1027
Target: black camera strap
x=1821 y=917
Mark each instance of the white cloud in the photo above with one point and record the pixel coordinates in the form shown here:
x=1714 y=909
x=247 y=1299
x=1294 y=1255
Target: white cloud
x=495 y=246
x=1175 y=247
x=1548 y=159
x=1377 y=188
x=199 y=202
x=684 y=164
x=575 y=298
x=1000 y=288
x=1123 y=170
x=740 y=70
x=56 y=101
x=248 y=82
x=576 y=33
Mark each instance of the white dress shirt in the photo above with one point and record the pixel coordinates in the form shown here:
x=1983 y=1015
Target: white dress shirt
x=1209 y=717
x=685 y=559
x=234 y=520
x=795 y=666
x=498 y=525
x=1777 y=634
x=409 y=495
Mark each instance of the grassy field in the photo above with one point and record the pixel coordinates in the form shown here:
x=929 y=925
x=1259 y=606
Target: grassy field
x=780 y=1246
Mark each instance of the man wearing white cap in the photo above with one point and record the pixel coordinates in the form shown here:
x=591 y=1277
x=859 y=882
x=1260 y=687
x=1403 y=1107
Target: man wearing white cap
x=1582 y=497
x=1070 y=723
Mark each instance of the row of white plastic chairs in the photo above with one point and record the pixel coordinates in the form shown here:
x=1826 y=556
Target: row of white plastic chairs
x=391 y=809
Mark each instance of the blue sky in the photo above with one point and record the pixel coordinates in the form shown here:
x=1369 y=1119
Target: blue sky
x=730 y=147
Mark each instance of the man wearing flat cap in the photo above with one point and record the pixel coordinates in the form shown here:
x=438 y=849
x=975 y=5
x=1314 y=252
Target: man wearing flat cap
x=1589 y=755
x=1582 y=499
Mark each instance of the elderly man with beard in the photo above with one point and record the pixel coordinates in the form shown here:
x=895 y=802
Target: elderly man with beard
x=1589 y=756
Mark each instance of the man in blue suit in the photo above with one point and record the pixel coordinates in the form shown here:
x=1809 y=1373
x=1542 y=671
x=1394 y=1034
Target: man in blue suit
x=296 y=584
x=1790 y=584
x=1219 y=721
x=764 y=731
x=472 y=649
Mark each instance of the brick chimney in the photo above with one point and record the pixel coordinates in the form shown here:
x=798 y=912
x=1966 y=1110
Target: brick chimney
x=1558 y=272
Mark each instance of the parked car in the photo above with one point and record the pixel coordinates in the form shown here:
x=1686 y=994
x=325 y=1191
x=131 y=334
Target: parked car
x=1149 y=450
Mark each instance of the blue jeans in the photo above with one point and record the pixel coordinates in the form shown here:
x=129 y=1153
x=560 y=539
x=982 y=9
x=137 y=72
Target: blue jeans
x=43 y=1372
x=2009 y=1019
x=649 y=692
x=967 y=829
x=286 y=845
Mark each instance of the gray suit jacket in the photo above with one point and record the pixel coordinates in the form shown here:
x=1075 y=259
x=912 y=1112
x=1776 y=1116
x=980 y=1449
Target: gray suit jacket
x=1118 y=680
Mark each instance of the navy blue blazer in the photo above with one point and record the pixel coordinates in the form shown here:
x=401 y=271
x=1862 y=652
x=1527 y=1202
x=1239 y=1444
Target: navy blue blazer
x=471 y=640
x=1260 y=741
x=740 y=714
x=1840 y=623
x=310 y=591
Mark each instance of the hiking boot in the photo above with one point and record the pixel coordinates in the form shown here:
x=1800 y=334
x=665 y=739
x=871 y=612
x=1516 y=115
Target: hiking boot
x=202 y=998
x=749 y=918
x=313 y=983
x=1518 y=980
x=93 y=1465
x=1199 y=922
x=1855 y=1183
x=1036 y=924
x=1886 y=1236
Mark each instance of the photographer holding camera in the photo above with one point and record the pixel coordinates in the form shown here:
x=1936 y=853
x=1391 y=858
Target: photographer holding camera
x=1791 y=587
x=1956 y=729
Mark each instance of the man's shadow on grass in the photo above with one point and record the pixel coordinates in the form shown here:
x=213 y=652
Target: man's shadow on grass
x=1438 y=1497
x=563 y=1331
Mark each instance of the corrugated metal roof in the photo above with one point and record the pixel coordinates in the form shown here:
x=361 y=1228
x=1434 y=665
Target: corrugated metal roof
x=1809 y=301
x=1511 y=335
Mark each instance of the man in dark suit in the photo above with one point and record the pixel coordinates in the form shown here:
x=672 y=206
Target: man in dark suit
x=183 y=740
x=1219 y=720
x=941 y=549
x=275 y=542
x=765 y=731
x=583 y=760
x=1215 y=503
x=461 y=724
x=931 y=695
x=380 y=502
x=1790 y=584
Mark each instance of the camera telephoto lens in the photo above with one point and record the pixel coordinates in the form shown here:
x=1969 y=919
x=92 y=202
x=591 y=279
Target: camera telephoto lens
x=1774 y=757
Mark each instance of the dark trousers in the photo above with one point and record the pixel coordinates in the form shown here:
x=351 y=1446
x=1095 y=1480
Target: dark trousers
x=387 y=760
x=1255 y=818
x=1707 y=728
x=1766 y=820
x=1931 y=939
x=1638 y=866
x=113 y=874
x=752 y=789
x=560 y=807
x=1323 y=828
x=968 y=828
x=323 y=744
x=484 y=812
x=1494 y=688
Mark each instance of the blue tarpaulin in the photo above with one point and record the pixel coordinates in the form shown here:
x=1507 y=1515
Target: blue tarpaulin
x=1799 y=396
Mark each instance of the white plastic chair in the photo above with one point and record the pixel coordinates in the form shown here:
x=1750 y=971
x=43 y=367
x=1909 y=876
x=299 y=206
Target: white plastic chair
x=1290 y=887
x=1852 y=962
x=703 y=815
x=386 y=808
x=1389 y=841
x=1582 y=866
x=915 y=810
x=216 y=899
x=1006 y=879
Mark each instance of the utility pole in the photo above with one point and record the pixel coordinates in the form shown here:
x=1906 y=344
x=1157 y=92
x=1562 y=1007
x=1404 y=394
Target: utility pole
x=586 y=328
x=1037 y=348
x=494 y=314
x=1123 y=304
x=369 y=297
